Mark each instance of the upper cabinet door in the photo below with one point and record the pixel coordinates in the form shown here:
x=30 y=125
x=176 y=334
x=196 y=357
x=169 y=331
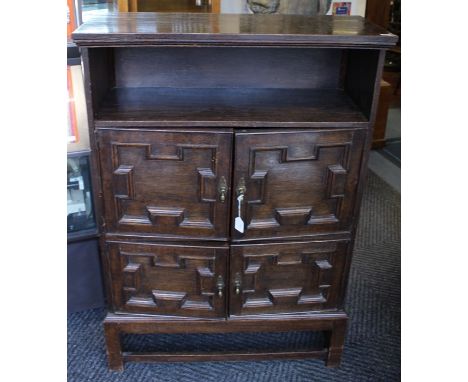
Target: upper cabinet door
x=295 y=183
x=166 y=182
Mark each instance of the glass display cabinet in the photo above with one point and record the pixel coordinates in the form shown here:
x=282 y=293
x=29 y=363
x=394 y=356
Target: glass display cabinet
x=84 y=279
x=80 y=216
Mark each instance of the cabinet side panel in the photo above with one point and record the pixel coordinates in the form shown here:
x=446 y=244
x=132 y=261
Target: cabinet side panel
x=373 y=100
x=88 y=62
x=101 y=73
x=361 y=75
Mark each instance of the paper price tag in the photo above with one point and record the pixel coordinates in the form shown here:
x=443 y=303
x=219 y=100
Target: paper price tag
x=239 y=224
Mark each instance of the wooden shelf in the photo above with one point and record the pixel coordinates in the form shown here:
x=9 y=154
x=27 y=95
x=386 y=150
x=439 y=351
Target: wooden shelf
x=228 y=107
x=146 y=28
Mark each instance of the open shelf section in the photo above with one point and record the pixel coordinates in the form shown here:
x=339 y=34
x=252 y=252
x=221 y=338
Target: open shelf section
x=238 y=107
x=231 y=87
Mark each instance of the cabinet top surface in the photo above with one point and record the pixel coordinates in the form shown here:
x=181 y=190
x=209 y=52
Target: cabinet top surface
x=116 y=29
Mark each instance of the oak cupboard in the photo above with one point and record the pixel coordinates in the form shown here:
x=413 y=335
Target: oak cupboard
x=229 y=153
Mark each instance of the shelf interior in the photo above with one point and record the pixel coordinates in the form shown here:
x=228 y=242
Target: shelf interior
x=228 y=105
x=237 y=87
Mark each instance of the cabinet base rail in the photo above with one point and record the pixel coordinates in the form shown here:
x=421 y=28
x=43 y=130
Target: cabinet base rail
x=333 y=324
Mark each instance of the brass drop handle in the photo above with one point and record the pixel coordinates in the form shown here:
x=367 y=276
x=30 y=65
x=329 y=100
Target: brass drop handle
x=220 y=285
x=241 y=189
x=222 y=189
x=237 y=283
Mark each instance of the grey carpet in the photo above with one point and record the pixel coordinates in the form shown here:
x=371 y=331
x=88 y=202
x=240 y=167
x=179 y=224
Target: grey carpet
x=392 y=151
x=372 y=351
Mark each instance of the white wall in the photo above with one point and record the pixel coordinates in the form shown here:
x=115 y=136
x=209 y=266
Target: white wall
x=359 y=8
x=234 y=6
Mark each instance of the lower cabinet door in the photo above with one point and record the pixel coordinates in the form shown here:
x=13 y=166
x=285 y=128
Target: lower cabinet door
x=182 y=280
x=286 y=277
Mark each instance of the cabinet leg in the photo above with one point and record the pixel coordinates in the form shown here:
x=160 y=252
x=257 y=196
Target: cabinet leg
x=336 y=344
x=114 y=349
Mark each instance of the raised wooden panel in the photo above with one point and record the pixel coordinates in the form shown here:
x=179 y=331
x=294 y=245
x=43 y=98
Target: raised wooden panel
x=297 y=182
x=286 y=277
x=168 y=279
x=165 y=182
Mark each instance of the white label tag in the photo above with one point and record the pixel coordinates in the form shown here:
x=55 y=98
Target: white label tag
x=239 y=224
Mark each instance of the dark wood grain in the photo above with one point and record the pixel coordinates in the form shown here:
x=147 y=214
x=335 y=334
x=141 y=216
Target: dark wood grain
x=236 y=87
x=136 y=236
x=101 y=78
x=379 y=12
x=297 y=182
x=385 y=98
x=159 y=181
x=144 y=324
x=336 y=338
x=173 y=6
x=92 y=91
x=116 y=324
x=379 y=64
x=224 y=356
x=226 y=68
x=113 y=347
x=181 y=107
x=361 y=76
x=286 y=277
x=240 y=107
x=231 y=29
x=169 y=279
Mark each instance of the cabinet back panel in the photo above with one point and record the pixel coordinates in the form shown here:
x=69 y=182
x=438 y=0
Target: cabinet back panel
x=227 y=67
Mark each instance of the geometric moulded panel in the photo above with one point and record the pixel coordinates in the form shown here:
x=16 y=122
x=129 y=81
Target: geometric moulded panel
x=298 y=182
x=164 y=182
x=172 y=280
x=287 y=277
